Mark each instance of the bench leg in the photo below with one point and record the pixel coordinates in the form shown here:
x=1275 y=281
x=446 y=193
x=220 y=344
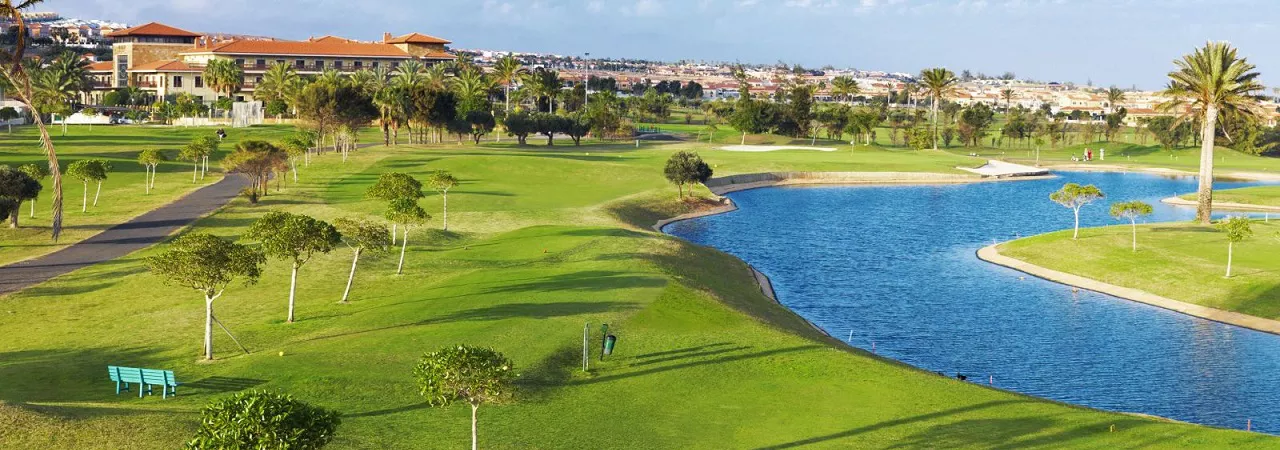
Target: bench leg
x=117 y=388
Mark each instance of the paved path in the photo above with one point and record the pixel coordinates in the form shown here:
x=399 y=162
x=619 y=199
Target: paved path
x=120 y=240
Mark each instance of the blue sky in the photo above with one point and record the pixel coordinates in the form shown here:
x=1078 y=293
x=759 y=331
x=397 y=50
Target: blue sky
x=1121 y=42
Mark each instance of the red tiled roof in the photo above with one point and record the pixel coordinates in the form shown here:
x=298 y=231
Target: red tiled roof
x=153 y=29
x=100 y=66
x=327 y=46
x=439 y=55
x=166 y=66
x=417 y=38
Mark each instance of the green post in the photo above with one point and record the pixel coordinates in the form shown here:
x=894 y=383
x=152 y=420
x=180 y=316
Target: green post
x=604 y=336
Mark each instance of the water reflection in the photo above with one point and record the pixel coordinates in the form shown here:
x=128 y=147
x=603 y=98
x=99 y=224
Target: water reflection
x=893 y=267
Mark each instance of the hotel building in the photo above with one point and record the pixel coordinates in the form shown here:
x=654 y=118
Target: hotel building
x=165 y=60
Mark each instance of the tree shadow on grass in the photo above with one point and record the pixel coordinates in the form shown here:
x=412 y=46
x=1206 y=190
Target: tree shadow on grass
x=503 y=312
x=217 y=384
x=1014 y=433
x=893 y=423
x=75 y=375
x=697 y=363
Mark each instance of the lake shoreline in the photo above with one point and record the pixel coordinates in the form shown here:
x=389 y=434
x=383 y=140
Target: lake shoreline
x=991 y=254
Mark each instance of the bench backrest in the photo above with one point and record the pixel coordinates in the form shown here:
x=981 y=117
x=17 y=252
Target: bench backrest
x=142 y=376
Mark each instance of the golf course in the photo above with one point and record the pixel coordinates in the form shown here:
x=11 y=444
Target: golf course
x=541 y=241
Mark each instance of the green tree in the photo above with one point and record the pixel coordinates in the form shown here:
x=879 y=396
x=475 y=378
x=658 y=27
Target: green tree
x=1114 y=97
x=16 y=186
x=87 y=170
x=259 y=420
x=208 y=264
x=684 y=167
x=442 y=181
x=520 y=125
x=1007 y=95
x=295 y=238
x=20 y=75
x=224 y=76
x=507 y=70
x=7 y=114
x=1075 y=196
x=844 y=88
x=150 y=160
x=1211 y=80
x=36 y=172
x=406 y=213
x=1237 y=228
x=256 y=160
x=361 y=235
x=940 y=83
x=480 y=123
x=475 y=375
x=395 y=185
x=1131 y=211
x=298 y=146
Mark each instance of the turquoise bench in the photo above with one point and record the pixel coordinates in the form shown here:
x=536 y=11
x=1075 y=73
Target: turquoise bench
x=145 y=379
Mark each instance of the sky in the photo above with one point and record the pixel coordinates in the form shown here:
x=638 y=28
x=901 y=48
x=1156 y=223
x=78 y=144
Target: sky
x=1110 y=42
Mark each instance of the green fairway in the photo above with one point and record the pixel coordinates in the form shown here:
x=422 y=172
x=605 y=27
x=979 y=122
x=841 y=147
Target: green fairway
x=122 y=193
x=1134 y=155
x=1181 y=261
x=1253 y=195
x=541 y=242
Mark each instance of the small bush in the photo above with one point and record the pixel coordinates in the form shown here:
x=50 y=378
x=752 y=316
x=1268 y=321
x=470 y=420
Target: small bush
x=264 y=420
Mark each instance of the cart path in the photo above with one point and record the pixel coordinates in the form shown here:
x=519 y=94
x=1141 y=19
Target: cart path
x=138 y=233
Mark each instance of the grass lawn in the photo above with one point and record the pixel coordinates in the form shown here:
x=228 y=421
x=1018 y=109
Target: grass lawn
x=1182 y=261
x=122 y=193
x=1253 y=195
x=541 y=242
x=1135 y=155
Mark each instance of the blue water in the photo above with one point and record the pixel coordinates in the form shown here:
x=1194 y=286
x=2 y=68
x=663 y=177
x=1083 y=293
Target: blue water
x=895 y=266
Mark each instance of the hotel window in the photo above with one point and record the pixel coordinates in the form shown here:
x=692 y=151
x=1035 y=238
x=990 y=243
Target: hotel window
x=395 y=65
x=319 y=64
x=257 y=80
x=300 y=63
x=279 y=61
x=240 y=62
x=337 y=64
x=261 y=62
x=358 y=64
x=199 y=81
x=177 y=81
x=375 y=64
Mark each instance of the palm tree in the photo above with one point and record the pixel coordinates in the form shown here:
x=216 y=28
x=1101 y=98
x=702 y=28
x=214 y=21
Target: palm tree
x=939 y=82
x=507 y=69
x=844 y=87
x=1007 y=94
x=1114 y=97
x=473 y=89
x=436 y=77
x=408 y=74
x=544 y=83
x=331 y=77
x=276 y=81
x=1209 y=81
x=390 y=101
x=224 y=76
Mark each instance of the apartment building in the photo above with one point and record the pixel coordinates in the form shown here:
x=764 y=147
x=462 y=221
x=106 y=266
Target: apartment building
x=166 y=60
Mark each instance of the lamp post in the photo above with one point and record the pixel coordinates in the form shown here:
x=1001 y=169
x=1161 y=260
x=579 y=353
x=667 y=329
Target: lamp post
x=586 y=79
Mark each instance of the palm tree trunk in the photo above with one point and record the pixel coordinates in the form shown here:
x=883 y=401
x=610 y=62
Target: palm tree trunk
x=1204 y=195
x=934 y=106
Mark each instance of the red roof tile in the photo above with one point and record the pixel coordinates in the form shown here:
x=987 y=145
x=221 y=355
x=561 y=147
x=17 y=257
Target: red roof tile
x=166 y=66
x=327 y=46
x=153 y=29
x=100 y=66
x=417 y=38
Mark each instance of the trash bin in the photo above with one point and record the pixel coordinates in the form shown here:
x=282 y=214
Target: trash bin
x=609 y=342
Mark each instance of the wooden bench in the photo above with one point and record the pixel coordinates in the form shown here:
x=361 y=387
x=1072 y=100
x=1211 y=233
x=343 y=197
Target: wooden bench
x=145 y=379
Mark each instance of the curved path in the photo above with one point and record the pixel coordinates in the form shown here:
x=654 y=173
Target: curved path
x=138 y=233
